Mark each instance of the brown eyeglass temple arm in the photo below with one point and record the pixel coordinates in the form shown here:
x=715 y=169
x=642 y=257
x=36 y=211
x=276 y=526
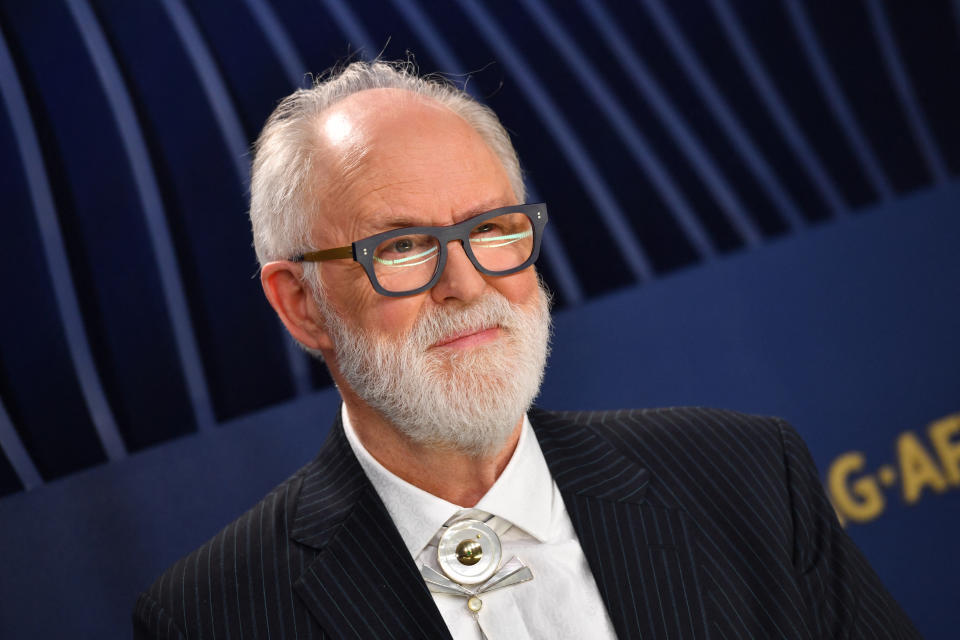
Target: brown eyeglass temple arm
x=339 y=253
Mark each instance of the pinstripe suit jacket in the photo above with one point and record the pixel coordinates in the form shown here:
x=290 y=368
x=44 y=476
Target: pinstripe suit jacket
x=696 y=524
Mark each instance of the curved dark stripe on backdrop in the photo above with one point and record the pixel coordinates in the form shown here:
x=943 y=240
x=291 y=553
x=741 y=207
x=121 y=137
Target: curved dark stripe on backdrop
x=239 y=338
x=634 y=141
x=904 y=88
x=47 y=373
x=223 y=106
x=105 y=236
x=926 y=35
x=9 y=480
x=778 y=111
x=223 y=57
x=848 y=41
x=298 y=75
x=707 y=41
x=833 y=94
x=280 y=43
x=356 y=35
x=148 y=193
x=240 y=50
x=38 y=383
x=785 y=80
x=17 y=470
x=664 y=117
x=30 y=329
x=712 y=116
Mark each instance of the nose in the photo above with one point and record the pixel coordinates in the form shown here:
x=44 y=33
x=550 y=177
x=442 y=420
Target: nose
x=460 y=280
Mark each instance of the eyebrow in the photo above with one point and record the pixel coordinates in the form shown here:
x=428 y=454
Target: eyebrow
x=377 y=225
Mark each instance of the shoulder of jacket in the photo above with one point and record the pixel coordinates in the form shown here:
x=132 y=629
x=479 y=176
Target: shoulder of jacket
x=697 y=438
x=663 y=418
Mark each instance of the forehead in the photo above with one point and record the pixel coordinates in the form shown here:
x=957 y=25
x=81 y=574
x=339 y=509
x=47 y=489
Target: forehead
x=390 y=158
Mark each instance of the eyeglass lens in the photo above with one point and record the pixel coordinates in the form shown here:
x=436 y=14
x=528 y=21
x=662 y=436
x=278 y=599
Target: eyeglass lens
x=408 y=262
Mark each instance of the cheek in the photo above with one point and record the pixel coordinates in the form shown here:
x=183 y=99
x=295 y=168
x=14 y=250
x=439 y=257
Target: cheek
x=353 y=298
x=519 y=288
x=357 y=301
x=392 y=316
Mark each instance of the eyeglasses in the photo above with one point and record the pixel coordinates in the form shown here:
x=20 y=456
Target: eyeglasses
x=404 y=262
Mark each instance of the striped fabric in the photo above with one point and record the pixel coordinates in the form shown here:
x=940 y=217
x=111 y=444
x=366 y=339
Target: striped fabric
x=696 y=523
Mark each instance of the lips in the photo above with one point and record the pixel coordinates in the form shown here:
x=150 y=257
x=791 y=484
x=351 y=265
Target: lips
x=469 y=338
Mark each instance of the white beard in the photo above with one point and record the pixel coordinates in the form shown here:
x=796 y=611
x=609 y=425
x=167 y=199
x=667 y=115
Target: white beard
x=470 y=400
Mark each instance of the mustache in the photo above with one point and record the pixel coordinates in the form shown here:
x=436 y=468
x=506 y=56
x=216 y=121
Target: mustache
x=441 y=323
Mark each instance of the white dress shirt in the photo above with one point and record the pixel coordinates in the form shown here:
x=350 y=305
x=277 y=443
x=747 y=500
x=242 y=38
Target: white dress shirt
x=562 y=601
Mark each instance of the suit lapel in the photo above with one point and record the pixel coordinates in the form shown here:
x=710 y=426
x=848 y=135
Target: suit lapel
x=640 y=554
x=363 y=583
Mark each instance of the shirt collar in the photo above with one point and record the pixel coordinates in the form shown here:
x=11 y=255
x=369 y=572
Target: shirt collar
x=523 y=494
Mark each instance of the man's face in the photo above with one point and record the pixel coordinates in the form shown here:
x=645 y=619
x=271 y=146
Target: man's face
x=407 y=163
x=393 y=161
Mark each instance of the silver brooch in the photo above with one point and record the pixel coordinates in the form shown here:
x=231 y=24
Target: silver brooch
x=469 y=555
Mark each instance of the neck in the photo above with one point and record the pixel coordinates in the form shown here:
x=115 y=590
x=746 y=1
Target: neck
x=454 y=476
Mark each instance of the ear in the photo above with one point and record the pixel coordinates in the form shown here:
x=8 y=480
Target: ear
x=293 y=301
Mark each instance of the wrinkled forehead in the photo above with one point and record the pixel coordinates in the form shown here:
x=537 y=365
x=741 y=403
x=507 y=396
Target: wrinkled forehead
x=381 y=120
x=388 y=156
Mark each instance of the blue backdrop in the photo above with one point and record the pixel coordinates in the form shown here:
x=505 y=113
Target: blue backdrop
x=753 y=206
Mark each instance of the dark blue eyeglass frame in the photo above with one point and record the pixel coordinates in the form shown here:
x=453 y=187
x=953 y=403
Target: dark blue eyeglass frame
x=362 y=250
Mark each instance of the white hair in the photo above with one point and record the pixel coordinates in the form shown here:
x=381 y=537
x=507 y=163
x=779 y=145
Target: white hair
x=281 y=211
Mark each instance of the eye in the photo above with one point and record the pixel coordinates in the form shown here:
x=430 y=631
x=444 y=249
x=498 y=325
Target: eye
x=486 y=227
x=407 y=251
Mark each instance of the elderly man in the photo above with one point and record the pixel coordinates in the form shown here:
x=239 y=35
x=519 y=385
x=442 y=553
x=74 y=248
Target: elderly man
x=388 y=219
